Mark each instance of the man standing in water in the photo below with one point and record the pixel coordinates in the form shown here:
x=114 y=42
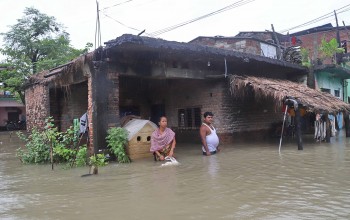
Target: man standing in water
x=209 y=138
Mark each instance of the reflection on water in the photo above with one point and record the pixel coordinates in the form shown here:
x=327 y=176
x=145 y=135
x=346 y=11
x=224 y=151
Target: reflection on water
x=244 y=181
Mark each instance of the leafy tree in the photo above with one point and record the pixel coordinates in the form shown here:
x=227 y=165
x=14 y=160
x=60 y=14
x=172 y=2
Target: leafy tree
x=330 y=49
x=37 y=42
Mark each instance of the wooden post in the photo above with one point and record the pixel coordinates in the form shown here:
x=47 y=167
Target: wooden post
x=338 y=34
x=347 y=32
x=328 y=129
x=311 y=78
x=279 y=50
x=298 y=129
x=347 y=127
x=338 y=57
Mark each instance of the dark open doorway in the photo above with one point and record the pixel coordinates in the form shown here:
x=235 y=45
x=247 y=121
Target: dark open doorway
x=156 y=112
x=13 y=116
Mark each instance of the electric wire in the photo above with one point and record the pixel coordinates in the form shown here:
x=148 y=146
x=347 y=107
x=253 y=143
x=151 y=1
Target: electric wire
x=170 y=28
x=120 y=22
x=121 y=3
x=331 y=14
x=229 y=7
x=135 y=29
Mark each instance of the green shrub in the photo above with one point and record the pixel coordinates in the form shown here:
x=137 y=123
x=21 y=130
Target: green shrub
x=37 y=149
x=98 y=160
x=64 y=145
x=117 y=139
x=63 y=154
x=81 y=158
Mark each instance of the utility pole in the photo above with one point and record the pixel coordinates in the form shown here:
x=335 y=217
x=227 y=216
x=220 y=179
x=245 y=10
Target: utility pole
x=279 y=50
x=347 y=31
x=338 y=57
x=338 y=35
x=98 y=27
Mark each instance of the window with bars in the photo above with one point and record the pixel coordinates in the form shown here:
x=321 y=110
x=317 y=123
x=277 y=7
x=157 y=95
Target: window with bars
x=337 y=93
x=326 y=90
x=189 y=117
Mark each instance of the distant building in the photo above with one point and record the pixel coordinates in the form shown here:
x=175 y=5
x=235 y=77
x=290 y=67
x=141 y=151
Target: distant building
x=10 y=108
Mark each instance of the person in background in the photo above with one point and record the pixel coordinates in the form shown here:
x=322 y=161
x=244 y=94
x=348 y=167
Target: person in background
x=162 y=141
x=209 y=138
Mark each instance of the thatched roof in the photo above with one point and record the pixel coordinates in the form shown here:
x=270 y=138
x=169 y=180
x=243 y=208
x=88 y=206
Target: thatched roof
x=313 y=100
x=63 y=75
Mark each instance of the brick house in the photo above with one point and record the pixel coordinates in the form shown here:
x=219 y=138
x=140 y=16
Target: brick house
x=11 y=109
x=258 y=43
x=311 y=39
x=151 y=77
x=327 y=74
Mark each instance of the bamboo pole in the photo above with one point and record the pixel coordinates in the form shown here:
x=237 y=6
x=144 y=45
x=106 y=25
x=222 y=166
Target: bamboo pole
x=328 y=129
x=51 y=154
x=298 y=129
x=347 y=127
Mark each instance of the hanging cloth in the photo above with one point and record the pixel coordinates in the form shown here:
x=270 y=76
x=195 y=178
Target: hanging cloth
x=83 y=123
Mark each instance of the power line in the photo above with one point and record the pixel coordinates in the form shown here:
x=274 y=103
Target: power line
x=170 y=28
x=121 y=3
x=121 y=23
x=135 y=29
x=229 y=7
x=317 y=19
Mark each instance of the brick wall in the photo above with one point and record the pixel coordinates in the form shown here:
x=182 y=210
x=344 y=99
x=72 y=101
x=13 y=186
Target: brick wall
x=37 y=106
x=113 y=100
x=232 y=118
x=236 y=44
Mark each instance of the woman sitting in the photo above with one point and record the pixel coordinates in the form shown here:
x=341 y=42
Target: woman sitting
x=162 y=141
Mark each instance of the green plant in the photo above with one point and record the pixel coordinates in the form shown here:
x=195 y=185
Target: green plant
x=63 y=154
x=81 y=157
x=61 y=147
x=98 y=160
x=330 y=49
x=117 y=139
x=37 y=150
x=305 y=59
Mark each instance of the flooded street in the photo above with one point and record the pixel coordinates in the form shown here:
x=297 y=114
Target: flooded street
x=244 y=181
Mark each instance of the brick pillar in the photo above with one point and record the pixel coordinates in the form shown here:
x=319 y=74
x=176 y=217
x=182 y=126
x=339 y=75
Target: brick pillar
x=90 y=118
x=37 y=106
x=113 y=117
x=100 y=92
x=103 y=104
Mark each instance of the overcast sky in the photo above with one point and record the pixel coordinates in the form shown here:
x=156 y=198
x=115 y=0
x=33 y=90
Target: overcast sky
x=132 y=16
